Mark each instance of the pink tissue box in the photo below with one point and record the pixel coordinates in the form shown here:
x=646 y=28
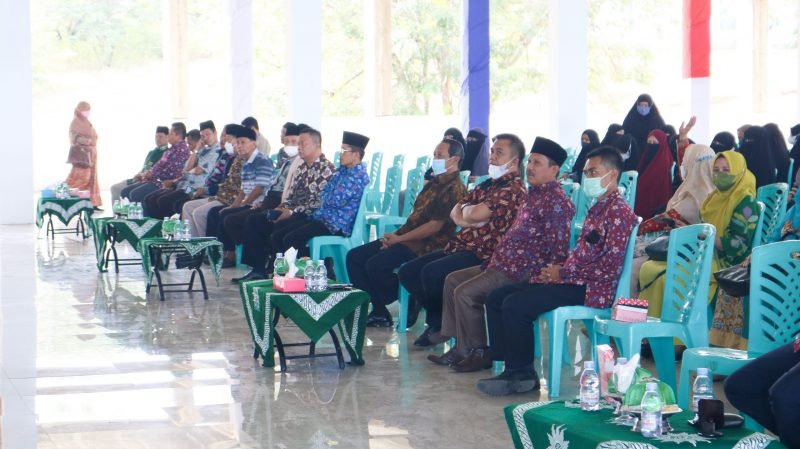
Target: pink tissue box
x=288 y=285
x=629 y=310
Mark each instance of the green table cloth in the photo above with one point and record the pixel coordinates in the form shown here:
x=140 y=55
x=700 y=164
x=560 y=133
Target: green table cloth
x=314 y=313
x=65 y=210
x=212 y=246
x=563 y=424
x=127 y=230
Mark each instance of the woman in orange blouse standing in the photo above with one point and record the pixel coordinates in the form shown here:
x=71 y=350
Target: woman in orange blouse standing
x=82 y=135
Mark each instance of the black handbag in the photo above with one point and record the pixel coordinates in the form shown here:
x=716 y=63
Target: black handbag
x=734 y=280
x=657 y=249
x=79 y=157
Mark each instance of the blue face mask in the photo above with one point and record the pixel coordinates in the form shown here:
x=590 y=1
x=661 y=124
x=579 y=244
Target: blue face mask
x=438 y=166
x=643 y=110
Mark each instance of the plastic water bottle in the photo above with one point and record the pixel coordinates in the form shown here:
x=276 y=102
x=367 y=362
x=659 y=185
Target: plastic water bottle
x=308 y=275
x=321 y=276
x=590 y=388
x=280 y=268
x=651 y=411
x=187 y=230
x=613 y=379
x=702 y=388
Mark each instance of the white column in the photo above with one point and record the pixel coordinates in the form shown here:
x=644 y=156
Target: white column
x=568 y=70
x=17 y=116
x=241 y=15
x=305 y=61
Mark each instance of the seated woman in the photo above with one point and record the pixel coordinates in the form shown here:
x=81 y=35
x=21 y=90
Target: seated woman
x=732 y=209
x=682 y=209
x=768 y=390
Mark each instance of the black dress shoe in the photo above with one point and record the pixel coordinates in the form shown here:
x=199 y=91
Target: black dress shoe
x=413 y=312
x=251 y=276
x=379 y=321
x=430 y=338
x=511 y=381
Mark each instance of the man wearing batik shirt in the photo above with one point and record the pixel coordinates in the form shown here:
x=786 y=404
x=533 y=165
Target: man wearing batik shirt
x=152 y=157
x=538 y=237
x=484 y=216
x=170 y=199
x=341 y=200
x=428 y=228
x=588 y=277
x=170 y=166
x=311 y=177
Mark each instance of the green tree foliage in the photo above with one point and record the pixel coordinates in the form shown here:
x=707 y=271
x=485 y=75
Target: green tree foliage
x=343 y=57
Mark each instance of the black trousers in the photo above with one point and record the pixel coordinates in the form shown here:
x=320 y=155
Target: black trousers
x=297 y=236
x=220 y=232
x=162 y=203
x=511 y=311
x=212 y=221
x=257 y=247
x=371 y=269
x=424 y=278
x=149 y=206
x=235 y=224
x=768 y=389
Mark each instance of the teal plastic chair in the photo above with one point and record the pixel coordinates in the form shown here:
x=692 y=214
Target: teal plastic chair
x=685 y=309
x=337 y=157
x=337 y=247
x=414 y=184
x=789 y=179
x=557 y=319
x=390 y=205
x=399 y=160
x=572 y=156
x=274 y=158
x=402 y=304
x=373 y=189
x=774 y=198
x=423 y=163
x=464 y=174
x=479 y=180
x=773 y=318
x=573 y=191
x=627 y=183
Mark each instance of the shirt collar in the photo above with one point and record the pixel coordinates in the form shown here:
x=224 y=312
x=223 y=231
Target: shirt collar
x=550 y=185
x=446 y=178
x=253 y=156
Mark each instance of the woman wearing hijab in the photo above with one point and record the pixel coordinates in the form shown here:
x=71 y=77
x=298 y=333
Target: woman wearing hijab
x=642 y=118
x=723 y=141
x=589 y=141
x=476 y=153
x=612 y=134
x=616 y=137
x=684 y=206
x=732 y=208
x=83 y=136
x=756 y=147
x=780 y=152
x=654 y=187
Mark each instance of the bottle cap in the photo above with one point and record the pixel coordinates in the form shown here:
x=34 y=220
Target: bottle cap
x=651 y=386
x=589 y=364
x=702 y=371
x=278 y=255
x=622 y=360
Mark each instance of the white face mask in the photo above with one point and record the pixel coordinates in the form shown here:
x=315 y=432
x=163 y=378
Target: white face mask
x=593 y=187
x=86 y=114
x=792 y=140
x=229 y=148
x=438 y=166
x=498 y=171
x=290 y=151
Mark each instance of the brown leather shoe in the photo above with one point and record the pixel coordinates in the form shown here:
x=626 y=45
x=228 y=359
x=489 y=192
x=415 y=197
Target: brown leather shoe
x=477 y=360
x=449 y=358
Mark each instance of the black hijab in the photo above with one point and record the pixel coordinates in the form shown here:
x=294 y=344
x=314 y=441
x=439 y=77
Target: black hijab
x=639 y=126
x=611 y=135
x=723 y=141
x=795 y=152
x=586 y=148
x=475 y=141
x=780 y=152
x=626 y=145
x=757 y=151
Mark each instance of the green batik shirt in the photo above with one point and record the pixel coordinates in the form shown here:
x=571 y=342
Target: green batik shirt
x=152 y=157
x=737 y=240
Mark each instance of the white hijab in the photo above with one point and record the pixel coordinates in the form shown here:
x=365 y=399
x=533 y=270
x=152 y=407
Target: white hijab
x=698 y=183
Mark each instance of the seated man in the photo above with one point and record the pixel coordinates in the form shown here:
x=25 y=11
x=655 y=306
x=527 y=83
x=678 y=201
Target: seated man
x=170 y=166
x=588 y=277
x=484 y=216
x=205 y=195
x=428 y=228
x=341 y=199
x=258 y=174
x=234 y=223
x=152 y=157
x=304 y=197
x=165 y=202
x=262 y=144
x=282 y=153
x=538 y=237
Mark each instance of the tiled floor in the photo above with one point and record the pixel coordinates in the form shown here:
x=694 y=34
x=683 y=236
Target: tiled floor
x=89 y=361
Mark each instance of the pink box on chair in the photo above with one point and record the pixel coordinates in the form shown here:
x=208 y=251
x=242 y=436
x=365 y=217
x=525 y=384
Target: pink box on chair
x=629 y=310
x=288 y=285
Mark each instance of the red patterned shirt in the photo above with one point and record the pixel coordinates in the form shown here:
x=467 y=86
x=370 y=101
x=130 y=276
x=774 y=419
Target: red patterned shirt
x=502 y=196
x=597 y=258
x=538 y=237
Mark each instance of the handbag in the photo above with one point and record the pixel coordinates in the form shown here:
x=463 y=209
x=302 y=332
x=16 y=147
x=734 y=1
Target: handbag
x=734 y=280
x=657 y=249
x=79 y=157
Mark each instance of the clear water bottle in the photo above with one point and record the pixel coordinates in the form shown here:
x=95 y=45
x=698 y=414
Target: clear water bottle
x=187 y=230
x=280 y=266
x=178 y=230
x=613 y=379
x=702 y=388
x=309 y=275
x=651 y=411
x=590 y=388
x=321 y=276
